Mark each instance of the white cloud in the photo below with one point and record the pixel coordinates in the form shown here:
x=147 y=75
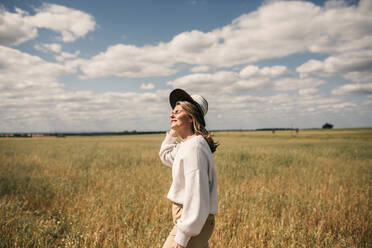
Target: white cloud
x=206 y=82
x=277 y=29
x=354 y=89
x=274 y=71
x=249 y=71
x=32 y=99
x=71 y=23
x=278 y=110
x=307 y=91
x=254 y=71
x=17 y=68
x=65 y=56
x=14 y=28
x=129 y=61
x=310 y=67
x=57 y=48
x=54 y=47
x=332 y=4
x=355 y=66
x=201 y=68
x=296 y=83
x=19 y=27
x=359 y=76
x=255 y=84
x=193 y=42
x=251 y=78
x=31 y=94
x=148 y=86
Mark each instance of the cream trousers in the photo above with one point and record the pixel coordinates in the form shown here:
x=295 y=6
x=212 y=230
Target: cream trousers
x=199 y=241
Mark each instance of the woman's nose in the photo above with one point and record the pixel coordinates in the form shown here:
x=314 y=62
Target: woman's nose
x=171 y=115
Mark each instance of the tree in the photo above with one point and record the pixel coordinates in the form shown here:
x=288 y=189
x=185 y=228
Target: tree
x=327 y=126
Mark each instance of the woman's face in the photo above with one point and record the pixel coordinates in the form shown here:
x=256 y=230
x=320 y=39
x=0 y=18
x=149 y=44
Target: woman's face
x=179 y=119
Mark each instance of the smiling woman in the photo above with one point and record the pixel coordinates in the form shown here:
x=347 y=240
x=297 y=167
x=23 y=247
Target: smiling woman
x=194 y=187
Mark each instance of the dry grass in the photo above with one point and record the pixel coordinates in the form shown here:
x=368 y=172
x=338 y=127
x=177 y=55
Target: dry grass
x=282 y=190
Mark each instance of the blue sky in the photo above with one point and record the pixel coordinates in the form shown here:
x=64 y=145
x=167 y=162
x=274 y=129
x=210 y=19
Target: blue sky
x=110 y=66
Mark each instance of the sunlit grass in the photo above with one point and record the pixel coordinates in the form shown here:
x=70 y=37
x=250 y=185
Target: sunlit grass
x=310 y=189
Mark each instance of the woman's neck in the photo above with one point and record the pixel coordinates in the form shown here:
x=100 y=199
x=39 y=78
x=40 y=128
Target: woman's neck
x=186 y=134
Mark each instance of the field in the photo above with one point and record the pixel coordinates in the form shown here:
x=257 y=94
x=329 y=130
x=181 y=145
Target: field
x=311 y=189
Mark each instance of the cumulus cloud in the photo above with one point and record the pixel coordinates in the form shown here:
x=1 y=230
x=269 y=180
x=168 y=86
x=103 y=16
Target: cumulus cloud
x=355 y=66
x=19 y=69
x=65 y=56
x=296 y=83
x=54 y=47
x=14 y=28
x=307 y=91
x=33 y=99
x=148 y=86
x=204 y=82
x=129 y=61
x=277 y=29
x=200 y=68
x=60 y=55
x=193 y=42
x=354 y=89
x=20 y=26
x=254 y=71
x=277 y=110
x=32 y=94
x=70 y=23
x=250 y=78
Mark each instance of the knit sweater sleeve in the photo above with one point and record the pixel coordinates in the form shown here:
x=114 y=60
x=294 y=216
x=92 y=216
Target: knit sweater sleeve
x=168 y=150
x=196 y=202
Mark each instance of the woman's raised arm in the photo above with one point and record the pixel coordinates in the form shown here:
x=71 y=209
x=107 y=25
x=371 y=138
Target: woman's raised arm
x=168 y=149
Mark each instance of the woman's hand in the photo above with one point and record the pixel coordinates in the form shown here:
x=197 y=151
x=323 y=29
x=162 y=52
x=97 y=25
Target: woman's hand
x=173 y=133
x=177 y=246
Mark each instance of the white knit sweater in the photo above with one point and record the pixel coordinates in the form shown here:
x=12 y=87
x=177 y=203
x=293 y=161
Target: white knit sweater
x=194 y=183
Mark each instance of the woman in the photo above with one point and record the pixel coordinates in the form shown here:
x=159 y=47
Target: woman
x=194 y=186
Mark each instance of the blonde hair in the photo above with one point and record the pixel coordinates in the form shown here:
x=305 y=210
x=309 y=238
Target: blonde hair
x=197 y=123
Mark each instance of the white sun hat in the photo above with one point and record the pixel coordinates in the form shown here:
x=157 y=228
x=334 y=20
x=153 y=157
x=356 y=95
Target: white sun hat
x=181 y=95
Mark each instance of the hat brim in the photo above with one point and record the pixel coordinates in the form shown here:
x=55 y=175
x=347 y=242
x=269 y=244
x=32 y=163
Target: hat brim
x=180 y=95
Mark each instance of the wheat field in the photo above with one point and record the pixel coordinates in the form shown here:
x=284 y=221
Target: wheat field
x=311 y=189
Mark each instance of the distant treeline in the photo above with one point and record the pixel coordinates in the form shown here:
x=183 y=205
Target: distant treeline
x=275 y=129
x=64 y=134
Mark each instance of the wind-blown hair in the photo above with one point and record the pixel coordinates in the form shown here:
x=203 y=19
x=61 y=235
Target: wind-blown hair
x=197 y=126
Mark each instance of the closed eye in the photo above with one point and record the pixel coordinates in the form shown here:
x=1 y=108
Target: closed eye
x=176 y=112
